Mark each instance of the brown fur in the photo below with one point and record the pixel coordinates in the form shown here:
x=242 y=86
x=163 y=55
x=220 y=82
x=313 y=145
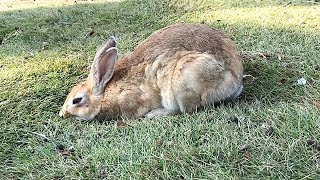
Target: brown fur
x=179 y=68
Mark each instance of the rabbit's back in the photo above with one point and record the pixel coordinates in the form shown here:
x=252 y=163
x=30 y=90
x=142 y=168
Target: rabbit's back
x=188 y=37
x=185 y=37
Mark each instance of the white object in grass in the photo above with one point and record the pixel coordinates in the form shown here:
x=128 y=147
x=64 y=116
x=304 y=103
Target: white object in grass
x=302 y=81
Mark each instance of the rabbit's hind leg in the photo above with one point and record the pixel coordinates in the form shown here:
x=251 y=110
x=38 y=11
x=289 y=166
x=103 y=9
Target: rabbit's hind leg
x=202 y=80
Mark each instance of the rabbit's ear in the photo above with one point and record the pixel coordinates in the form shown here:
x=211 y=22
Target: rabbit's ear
x=105 y=46
x=103 y=67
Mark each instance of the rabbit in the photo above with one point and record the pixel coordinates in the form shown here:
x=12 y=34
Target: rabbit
x=175 y=70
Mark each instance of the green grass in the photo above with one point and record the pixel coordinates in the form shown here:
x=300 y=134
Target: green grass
x=279 y=42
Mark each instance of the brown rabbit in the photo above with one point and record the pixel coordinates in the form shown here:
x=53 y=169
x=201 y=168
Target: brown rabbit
x=176 y=69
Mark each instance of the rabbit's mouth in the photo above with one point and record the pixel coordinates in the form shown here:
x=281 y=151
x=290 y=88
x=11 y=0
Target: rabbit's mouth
x=67 y=115
x=64 y=114
x=78 y=115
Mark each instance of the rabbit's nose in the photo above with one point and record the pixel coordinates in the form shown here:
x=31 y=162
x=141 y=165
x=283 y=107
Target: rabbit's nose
x=61 y=113
x=64 y=114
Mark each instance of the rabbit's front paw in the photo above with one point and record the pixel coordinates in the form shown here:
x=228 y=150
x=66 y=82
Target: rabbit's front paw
x=160 y=112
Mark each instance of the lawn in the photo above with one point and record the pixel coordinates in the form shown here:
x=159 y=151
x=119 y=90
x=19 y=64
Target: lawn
x=272 y=131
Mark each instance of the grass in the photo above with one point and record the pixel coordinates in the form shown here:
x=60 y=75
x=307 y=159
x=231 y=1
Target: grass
x=47 y=47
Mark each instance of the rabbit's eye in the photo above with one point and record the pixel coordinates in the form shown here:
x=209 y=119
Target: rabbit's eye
x=76 y=100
